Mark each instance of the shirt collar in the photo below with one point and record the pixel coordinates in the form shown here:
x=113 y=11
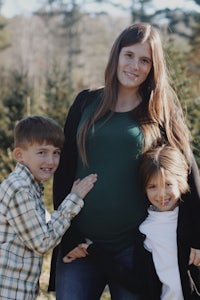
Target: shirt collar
x=24 y=172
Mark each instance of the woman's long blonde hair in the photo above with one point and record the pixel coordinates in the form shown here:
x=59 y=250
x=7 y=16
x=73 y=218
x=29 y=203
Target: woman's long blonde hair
x=160 y=114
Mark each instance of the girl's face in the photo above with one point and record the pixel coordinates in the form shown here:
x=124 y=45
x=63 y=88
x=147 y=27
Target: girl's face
x=163 y=191
x=134 y=65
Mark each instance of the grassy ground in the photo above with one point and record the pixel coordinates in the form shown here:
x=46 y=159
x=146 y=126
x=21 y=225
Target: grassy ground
x=43 y=295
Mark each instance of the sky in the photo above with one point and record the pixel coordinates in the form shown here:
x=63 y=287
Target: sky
x=14 y=7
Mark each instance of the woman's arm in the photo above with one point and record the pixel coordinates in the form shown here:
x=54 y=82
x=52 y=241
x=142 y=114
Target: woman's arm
x=65 y=174
x=64 y=177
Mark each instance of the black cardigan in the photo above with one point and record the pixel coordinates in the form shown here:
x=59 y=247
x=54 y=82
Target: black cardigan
x=143 y=278
x=188 y=224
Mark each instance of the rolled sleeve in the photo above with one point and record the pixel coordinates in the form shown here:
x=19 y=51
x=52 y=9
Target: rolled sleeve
x=71 y=206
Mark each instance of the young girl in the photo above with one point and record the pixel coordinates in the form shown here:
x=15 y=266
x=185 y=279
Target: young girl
x=164 y=173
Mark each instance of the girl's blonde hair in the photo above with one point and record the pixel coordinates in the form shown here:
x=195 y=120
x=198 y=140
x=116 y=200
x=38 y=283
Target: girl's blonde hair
x=164 y=158
x=160 y=114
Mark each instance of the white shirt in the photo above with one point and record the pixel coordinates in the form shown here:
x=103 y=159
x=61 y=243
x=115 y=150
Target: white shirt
x=161 y=239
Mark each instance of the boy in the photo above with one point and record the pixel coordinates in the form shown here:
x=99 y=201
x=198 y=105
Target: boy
x=24 y=234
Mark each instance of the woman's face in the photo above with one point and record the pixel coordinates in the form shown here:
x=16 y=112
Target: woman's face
x=134 y=65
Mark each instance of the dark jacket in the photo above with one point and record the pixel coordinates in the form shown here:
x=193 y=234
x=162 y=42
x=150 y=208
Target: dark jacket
x=143 y=278
x=188 y=231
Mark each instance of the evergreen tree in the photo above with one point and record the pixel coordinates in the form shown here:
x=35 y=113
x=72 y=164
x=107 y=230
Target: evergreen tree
x=185 y=83
x=57 y=95
x=14 y=95
x=4 y=37
x=194 y=73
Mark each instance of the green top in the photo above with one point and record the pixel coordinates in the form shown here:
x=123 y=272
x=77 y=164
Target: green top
x=115 y=206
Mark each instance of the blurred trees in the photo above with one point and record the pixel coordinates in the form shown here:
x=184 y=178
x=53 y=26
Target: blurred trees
x=183 y=49
x=15 y=92
x=4 y=37
x=57 y=95
x=62 y=49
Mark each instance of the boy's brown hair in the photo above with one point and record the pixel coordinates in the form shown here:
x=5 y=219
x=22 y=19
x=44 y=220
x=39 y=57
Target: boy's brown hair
x=38 y=129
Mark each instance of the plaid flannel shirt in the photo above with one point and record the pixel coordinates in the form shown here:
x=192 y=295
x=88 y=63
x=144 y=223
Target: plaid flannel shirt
x=24 y=233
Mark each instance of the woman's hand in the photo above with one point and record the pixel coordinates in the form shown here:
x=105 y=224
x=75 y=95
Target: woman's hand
x=77 y=252
x=194 y=257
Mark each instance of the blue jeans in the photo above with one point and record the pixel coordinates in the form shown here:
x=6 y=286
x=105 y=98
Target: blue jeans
x=82 y=280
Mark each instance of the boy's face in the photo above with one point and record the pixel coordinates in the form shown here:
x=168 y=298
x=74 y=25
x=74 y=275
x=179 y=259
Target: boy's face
x=41 y=159
x=163 y=191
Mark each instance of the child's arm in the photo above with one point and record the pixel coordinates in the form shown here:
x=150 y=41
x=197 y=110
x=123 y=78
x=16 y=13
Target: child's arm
x=79 y=190
x=27 y=218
